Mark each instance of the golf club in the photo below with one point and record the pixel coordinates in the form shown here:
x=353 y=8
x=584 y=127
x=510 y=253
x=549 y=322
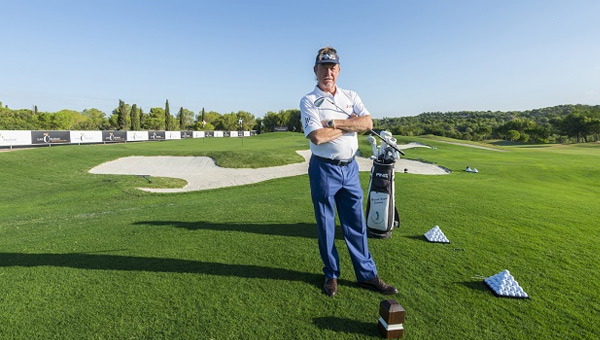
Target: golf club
x=373 y=143
x=319 y=101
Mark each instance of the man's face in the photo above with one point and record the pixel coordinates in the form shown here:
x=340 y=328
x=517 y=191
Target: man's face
x=326 y=76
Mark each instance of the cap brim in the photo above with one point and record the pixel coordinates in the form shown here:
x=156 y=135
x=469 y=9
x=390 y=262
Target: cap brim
x=328 y=62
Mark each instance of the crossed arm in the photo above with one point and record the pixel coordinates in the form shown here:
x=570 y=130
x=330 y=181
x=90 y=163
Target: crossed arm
x=352 y=124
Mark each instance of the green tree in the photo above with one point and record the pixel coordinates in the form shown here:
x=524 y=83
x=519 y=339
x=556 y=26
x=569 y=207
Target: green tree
x=17 y=119
x=573 y=125
x=248 y=120
x=113 y=121
x=122 y=116
x=258 y=126
x=227 y=122
x=96 y=119
x=270 y=121
x=204 y=127
x=64 y=120
x=168 y=117
x=593 y=128
x=134 y=118
x=143 y=118
x=186 y=119
x=485 y=131
x=210 y=117
x=513 y=135
x=44 y=120
x=180 y=118
x=290 y=119
x=295 y=120
x=156 y=119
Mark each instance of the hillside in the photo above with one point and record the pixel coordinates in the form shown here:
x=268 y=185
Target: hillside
x=557 y=124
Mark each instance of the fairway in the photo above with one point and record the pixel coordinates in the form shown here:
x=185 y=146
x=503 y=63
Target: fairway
x=88 y=256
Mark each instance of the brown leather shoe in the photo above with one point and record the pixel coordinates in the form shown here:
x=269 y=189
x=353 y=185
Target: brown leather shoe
x=330 y=287
x=377 y=284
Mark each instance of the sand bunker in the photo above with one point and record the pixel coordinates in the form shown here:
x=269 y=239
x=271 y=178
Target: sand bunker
x=202 y=173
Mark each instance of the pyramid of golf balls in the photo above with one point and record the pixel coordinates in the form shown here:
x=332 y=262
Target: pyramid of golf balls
x=435 y=234
x=504 y=284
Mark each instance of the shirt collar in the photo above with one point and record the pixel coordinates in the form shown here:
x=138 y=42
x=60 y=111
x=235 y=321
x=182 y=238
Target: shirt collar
x=322 y=93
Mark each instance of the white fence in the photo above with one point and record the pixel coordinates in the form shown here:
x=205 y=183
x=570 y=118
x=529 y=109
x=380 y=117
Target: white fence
x=10 y=138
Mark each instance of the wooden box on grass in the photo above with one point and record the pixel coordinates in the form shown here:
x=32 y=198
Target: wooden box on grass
x=391 y=319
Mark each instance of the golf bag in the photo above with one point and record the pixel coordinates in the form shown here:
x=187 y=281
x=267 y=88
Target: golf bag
x=382 y=215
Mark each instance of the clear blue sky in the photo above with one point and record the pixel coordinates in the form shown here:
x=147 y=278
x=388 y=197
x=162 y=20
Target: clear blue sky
x=402 y=57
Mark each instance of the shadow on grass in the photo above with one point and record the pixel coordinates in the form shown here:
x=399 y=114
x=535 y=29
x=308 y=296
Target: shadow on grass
x=475 y=285
x=159 y=265
x=293 y=230
x=505 y=143
x=417 y=237
x=535 y=146
x=344 y=325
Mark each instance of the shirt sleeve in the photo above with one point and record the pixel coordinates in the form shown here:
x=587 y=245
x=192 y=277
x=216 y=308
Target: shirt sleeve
x=358 y=107
x=310 y=115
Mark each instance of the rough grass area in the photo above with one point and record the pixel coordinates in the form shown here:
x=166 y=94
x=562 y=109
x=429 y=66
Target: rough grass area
x=86 y=256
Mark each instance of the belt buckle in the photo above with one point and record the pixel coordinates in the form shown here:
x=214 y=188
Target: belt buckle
x=340 y=162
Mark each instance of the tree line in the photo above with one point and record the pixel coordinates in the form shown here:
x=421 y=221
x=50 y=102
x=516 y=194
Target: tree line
x=132 y=117
x=557 y=124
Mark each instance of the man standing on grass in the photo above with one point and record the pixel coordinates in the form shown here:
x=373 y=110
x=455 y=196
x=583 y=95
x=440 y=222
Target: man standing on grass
x=333 y=173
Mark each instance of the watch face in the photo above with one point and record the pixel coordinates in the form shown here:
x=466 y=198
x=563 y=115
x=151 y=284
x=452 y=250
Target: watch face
x=330 y=123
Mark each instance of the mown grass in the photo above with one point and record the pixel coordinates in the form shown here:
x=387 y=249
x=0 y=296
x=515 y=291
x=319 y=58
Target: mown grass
x=89 y=256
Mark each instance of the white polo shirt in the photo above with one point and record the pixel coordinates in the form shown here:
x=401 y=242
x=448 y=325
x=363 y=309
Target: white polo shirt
x=345 y=146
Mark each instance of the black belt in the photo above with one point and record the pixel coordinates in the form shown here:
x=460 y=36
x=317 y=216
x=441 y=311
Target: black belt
x=338 y=162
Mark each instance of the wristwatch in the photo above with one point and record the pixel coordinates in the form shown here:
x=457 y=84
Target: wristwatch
x=330 y=124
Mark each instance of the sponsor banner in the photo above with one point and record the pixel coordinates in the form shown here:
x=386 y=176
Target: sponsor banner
x=198 y=134
x=209 y=134
x=233 y=133
x=8 y=138
x=172 y=134
x=86 y=136
x=156 y=135
x=114 y=136
x=187 y=134
x=137 y=135
x=247 y=134
x=50 y=137
x=217 y=133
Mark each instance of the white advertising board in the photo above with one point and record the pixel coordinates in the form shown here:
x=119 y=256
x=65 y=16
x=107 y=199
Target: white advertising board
x=86 y=136
x=233 y=134
x=198 y=134
x=8 y=138
x=218 y=134
x=172 y=134
x=137 y=135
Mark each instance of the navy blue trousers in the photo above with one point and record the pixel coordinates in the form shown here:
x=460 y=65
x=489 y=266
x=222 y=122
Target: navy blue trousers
x=334 y=186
